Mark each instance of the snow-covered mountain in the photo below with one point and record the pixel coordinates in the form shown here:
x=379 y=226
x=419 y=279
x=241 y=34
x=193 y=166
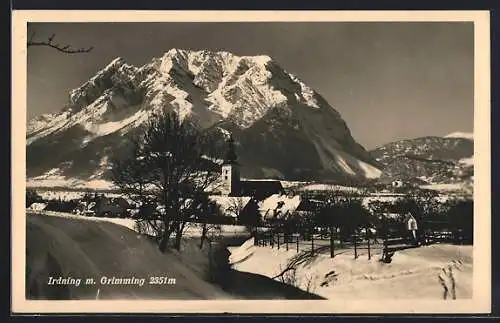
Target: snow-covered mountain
x=284 y=129
x=430 y=160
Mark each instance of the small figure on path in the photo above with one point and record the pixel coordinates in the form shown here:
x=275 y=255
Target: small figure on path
x=412 y=227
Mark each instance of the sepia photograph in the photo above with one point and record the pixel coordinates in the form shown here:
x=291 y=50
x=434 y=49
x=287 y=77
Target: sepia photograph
x=327 y=164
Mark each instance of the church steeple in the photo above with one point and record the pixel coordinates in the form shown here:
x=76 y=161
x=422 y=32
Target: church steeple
x=231 y=157
x=230 y=170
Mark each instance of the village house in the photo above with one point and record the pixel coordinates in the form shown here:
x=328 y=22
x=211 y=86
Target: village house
x=279 y=207
x=398 y=184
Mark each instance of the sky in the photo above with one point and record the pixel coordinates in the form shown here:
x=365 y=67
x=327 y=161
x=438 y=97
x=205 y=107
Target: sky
x=388 y=80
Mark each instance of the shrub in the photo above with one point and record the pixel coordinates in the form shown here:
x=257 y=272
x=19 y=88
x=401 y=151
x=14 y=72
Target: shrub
x=461 y=217
x=32 y=197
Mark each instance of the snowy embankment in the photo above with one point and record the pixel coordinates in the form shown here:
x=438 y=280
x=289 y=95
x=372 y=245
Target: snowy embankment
x=413 y=273
x=192 y=229
x=92 y=248
x=59 y=246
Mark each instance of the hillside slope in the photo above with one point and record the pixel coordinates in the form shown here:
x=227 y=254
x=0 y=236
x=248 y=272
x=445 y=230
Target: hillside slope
x=428 y=159
x=89 y=249
x=78 y=248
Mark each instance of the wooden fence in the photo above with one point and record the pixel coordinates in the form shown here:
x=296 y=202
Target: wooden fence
x=360 y=244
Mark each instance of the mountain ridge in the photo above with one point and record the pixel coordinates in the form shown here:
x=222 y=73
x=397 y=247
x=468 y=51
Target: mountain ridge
x=266 y=107
x=428 y=159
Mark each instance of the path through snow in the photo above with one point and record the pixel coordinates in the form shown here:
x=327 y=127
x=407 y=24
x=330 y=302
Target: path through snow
x=425 y=273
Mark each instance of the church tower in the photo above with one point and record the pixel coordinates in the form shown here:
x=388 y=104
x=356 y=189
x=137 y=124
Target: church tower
x=230 y=171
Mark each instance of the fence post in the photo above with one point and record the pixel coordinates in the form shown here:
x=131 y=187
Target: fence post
x=368 y=238
x=210 y=259
x=278 y=240
x=286 y=240
x=355 y=247
x=386 y=235
x=312 y=243
x=298 y=236
x=332 y=243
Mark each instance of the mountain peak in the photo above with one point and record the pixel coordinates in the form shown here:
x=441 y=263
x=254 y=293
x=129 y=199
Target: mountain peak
x=115 y=62
x=221 y=56
x=117 y=70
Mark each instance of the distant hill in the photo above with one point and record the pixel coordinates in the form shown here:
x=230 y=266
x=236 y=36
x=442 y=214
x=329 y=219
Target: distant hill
x=429 y=160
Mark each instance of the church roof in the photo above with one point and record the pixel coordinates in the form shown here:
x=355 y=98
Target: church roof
x=260 y=189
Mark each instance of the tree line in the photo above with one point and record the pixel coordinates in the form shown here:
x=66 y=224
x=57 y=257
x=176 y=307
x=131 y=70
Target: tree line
x=347 y=214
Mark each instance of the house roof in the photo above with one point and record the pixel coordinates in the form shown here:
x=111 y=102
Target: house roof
x=277 y=205
x=309 y=205
x=260 y=189
x=38 y=206
x=391 y=215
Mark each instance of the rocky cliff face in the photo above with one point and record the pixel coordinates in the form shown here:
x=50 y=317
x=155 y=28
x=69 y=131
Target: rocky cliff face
x=284 y=129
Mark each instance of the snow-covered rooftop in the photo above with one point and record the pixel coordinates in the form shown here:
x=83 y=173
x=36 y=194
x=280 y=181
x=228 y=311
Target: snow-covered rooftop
x=283 y=204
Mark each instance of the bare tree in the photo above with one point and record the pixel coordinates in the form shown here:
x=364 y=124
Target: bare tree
x=248 y=214
x=206 y=212
x=168 y=162
x=50 y=42
x=233 y=209
x=342 y=211
x=236 y=205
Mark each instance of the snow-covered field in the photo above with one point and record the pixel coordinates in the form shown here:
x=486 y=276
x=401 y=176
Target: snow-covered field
x=413 y=273
x=329 y=187
x=53 y=180
x=453 y=187
x=67 y=195
x=467 y=161
x=291 y=184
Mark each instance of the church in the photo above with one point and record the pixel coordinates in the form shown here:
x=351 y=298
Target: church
x=251 y=199
x=233 y=185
